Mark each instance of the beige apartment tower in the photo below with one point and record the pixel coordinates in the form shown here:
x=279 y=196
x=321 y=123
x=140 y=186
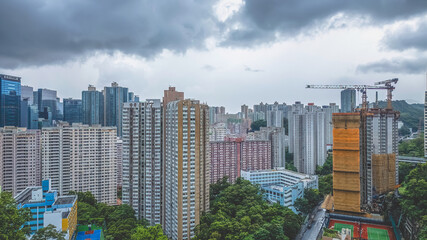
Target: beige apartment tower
x=20 y=161
x=81 y=158
x=187 y=161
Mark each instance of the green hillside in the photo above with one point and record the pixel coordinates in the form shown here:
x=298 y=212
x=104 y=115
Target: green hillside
x=410 y=114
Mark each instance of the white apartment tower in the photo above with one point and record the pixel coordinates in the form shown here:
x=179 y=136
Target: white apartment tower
x=307 y=137
x=20 y=161
x=142 y=159
x=187 y=161
x=81 y=158
x=119 y=161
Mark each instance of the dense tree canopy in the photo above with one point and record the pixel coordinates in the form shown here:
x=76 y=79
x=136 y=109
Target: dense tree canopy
x=404 y=170
x=412 y=148
x=291 y=167
x=310 y=200
x=255 y=126
x=325 y=184
x=414 y=201
x=148 y=233
x=119 y=222
x=48 y=233
x=326 y=168
x=12 y=219
x=239 y=211
x=414 y=197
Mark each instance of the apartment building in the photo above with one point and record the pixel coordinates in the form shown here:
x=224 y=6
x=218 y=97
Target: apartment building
x=81 y=158
x=187 y=163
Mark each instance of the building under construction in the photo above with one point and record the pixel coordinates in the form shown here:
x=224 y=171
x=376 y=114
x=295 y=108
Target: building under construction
x=364 y=151
x=364 y=157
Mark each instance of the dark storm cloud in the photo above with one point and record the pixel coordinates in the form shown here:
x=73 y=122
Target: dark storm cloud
x=37 y=32
x=264 y=21
x=408 y=66
x=408 y=37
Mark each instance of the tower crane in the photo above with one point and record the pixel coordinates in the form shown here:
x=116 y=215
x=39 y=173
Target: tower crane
x=386 y=85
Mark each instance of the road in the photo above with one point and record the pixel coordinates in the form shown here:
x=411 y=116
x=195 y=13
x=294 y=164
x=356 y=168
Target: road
x=316 y=226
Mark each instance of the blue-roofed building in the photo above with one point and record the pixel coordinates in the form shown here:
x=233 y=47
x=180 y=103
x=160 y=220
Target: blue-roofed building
x=280 y=185
x=47 y=207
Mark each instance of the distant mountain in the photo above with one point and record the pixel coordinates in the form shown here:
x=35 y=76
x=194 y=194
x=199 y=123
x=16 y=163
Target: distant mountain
x=410 y=114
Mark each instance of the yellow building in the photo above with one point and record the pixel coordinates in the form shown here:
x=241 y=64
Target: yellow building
x=63 y=215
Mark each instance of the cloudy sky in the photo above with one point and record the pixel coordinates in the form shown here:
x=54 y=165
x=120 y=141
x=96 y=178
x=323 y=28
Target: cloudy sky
x=225 y=52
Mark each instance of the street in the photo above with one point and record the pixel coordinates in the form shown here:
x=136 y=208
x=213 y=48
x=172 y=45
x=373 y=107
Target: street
x=316 y=226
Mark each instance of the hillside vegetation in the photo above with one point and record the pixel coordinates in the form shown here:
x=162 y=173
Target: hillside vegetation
x=410 y=114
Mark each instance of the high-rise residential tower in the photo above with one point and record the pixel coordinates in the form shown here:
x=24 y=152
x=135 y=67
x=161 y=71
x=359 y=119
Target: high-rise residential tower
x=186 y=163
x=114 y=97
x=244 y=110
x=348 y=100
x=307 y=137
x=92 y=106
x=142 y=159
x=20 y=162
x=10 y=100
x=328 y=110
x=81 y=158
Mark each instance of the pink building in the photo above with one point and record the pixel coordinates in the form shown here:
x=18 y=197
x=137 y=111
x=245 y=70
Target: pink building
x=234 y=154
x=256 y=155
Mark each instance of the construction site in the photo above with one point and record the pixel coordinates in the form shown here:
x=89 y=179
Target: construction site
x=365 y=148
x=365 y=166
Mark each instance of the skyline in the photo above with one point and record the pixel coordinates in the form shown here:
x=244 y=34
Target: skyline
x=226 y=53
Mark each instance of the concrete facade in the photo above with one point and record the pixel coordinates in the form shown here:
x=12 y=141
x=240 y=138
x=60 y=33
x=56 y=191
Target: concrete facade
x=187 y=163
x=20 y=159
x=143 y=159
x=81 y=158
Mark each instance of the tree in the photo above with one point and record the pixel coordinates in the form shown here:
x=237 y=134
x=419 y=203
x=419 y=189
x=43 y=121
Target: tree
x=48 y=233
x=310 y=200
x=12 y=218
x=255 y=126
x=291 y=167
x=412 y=148
x=86 y=197
x=240 y=211
x=121 y=222
x=326 y=168
x=404 y=170
x=216 y=189
x=325 y=184
x=404 y=131
x=414 y=196
x=302 y=205
x=149 y=233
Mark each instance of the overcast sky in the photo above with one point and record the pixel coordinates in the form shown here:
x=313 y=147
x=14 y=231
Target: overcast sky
x=221 y=52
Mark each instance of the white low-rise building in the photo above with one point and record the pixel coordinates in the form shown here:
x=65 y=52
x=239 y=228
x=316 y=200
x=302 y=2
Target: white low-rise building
x=280 y=185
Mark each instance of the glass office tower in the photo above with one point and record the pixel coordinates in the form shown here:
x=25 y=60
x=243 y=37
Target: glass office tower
x=10 y=101
x=73 y=110
x=114 y=97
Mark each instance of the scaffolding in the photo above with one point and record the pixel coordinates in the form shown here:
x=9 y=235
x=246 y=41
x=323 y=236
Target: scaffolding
x=346 y=162
x=383 y=172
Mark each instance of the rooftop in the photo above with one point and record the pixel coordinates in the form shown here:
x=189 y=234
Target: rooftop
x=63 y=200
